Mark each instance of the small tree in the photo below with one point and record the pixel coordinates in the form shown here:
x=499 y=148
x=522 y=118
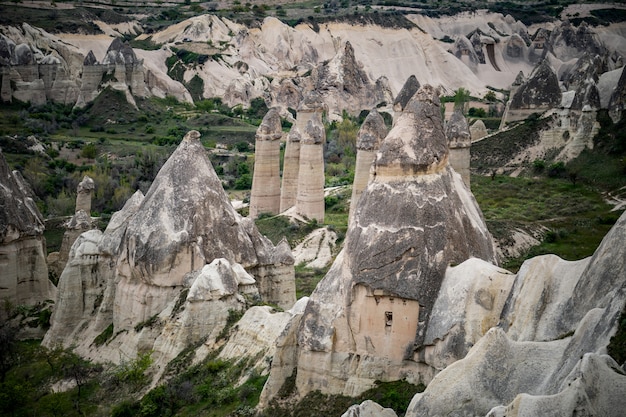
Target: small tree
x=490 y=97
x=461 y=97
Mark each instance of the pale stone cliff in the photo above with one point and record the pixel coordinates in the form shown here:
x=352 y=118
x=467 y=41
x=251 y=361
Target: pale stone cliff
x=459 y=141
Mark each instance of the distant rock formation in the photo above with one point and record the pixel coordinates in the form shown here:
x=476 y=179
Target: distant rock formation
x=464 y=50
x=346 y=87
x=516 y=48
x=540 y=91
x=459 y=142
x=369 y=138
x=478 y=130
x=310 y=195
x=84 y=194
x=24 y=277
x=168 y=268
x=265 y=193
x=368 y=318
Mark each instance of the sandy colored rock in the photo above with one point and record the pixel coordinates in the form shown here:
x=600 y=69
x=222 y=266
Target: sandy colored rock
x=84 y=194
x=291 y=170
x=371 y=311
x=310 y=196
x=410 y=87
x=265 y=193
x=369 y=408
x=168 y=269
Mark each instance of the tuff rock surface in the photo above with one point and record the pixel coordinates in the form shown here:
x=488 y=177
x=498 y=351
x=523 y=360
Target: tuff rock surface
x=168 y=268
x=24 y=273
x=265 y=193
x=540 y=91
x=548 y=351
x=368 y=318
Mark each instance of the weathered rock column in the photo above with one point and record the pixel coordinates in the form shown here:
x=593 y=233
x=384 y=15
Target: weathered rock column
x=291 y=168
x=84 y=194
x=76 y=226
x=310 y=197
x=265 y=194
x=370 y=136
x=459 y=141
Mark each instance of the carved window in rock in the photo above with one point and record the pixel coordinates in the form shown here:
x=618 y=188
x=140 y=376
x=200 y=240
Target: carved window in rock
x=388 y=318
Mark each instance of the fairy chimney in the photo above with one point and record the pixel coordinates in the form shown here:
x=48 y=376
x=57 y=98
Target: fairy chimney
x=459 y=141
x=265 y=194
x=370 y=136
x=291 y=168
x=310 y=196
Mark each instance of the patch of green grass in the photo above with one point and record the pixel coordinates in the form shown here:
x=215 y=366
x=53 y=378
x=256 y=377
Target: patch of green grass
x=104 y=337
x=307 y=279
x=395 y=395
x=576 y=216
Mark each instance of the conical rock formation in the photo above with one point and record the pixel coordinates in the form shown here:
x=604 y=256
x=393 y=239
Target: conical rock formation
x=178 y=259
x=369 y=315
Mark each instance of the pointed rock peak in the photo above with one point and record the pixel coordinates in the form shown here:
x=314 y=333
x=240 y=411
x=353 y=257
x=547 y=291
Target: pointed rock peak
x=540 y=90
x=416 y=145
x=270 y=128
x=192 y=136
x=312 y=102
x=294 y=134
x=116 y=45
x=457 y=131
x=120 y=53
x=519 y=80
x=90 y=59
x=372 y=132
x=410 y=87
x=282 y=254
x=348 y=52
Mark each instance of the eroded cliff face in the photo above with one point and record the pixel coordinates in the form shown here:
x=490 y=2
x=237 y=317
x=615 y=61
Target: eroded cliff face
x=168 y=268
x=24 y=273
x=367 y=319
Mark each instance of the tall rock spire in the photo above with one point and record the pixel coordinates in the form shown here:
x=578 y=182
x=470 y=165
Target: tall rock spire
x=459 y=142
x=291 y=169
x=265 y=193
x=369 y=138
x=310 y=197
